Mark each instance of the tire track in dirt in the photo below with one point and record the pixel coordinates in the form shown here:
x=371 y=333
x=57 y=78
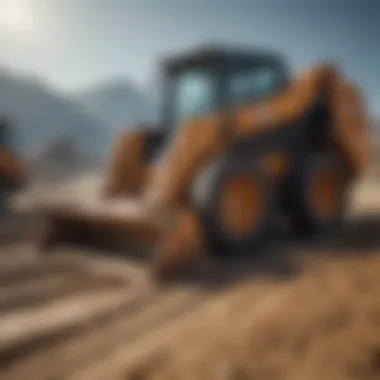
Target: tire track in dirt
x=206 y=341
x=22 y=333
x=65 y=359
x=55 y=286
x=35 y=270
x=100 y=331
x=27 y=293
x=46 y=300
x=152 y=343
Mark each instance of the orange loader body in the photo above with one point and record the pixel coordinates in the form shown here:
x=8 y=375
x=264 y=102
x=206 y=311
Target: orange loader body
x=222 y=176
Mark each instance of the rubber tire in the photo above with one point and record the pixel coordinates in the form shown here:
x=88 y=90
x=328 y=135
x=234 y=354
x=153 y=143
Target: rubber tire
x=206 y=197
x=303 y=219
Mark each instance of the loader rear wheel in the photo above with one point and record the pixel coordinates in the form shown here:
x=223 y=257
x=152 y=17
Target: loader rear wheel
x=241 y=205
x=236 y=205
x=318 y=195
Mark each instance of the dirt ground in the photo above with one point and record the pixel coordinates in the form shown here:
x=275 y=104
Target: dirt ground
x=301 y=310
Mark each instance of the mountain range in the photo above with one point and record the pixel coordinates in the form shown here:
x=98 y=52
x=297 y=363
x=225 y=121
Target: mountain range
x=90 y=119
x=117 y=103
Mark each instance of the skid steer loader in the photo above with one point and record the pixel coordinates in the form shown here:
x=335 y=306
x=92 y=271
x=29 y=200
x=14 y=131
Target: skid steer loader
x=241 y=141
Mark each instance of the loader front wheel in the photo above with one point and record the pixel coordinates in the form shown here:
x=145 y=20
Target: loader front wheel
x=236 y=206
x=318 y=193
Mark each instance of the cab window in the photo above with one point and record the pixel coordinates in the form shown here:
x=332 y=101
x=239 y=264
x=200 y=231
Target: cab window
x=194 y=94
x=255 y=83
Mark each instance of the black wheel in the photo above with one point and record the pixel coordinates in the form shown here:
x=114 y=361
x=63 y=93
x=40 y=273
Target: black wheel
x=317 y=195
x=236 y=203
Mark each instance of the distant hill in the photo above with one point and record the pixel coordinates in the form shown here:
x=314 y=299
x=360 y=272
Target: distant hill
x=41 y=114
x=66 y=130
x=118 y=104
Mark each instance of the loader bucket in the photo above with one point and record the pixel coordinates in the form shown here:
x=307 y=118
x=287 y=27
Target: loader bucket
x=104 y=225
x=126 y=225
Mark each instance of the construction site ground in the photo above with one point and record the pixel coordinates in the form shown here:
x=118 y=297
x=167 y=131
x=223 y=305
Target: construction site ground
x=297 y=310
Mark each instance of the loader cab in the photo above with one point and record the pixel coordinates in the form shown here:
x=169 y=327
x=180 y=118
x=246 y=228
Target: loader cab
x=215 y=79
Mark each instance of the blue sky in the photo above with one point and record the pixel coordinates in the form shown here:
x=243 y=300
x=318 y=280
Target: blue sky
x=74 y=43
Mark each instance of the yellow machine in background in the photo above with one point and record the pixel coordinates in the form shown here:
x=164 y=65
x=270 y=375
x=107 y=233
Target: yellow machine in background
x=241 y=141
x=12 y=170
